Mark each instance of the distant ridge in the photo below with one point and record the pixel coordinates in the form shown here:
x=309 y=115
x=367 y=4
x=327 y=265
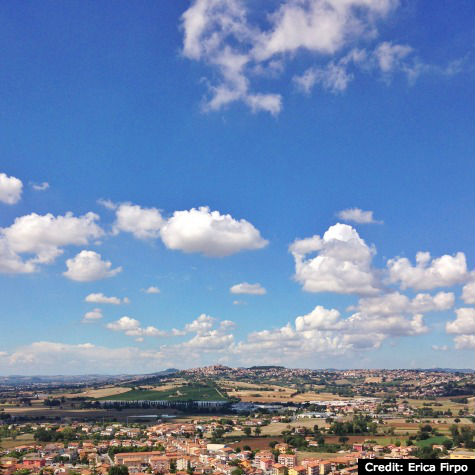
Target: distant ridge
x=122 y=378
x=449 y=370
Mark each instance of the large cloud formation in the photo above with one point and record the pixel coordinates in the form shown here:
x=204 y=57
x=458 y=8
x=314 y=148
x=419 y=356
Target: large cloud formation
x=132 y=327
x=241 y=41
x=342 y=264
x=210 y=233
x=397 y=303
x=197 y=230
x=43 y=237
x=325 y=331
x=428 y=273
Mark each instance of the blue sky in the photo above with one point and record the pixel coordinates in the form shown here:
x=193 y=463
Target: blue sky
x=272 y=169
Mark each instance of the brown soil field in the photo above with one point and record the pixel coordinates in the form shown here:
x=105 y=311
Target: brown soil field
x=276 y=428
x=234 y=384
x=444 y=426
x=114 y=390
x=446 y=404
x=165 y=387
x=373 y=379
x=23 y=439
x=275 y=394
x=95 y=393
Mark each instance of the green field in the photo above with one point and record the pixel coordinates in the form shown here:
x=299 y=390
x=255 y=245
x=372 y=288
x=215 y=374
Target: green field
x=431 y=440
x=183 y=393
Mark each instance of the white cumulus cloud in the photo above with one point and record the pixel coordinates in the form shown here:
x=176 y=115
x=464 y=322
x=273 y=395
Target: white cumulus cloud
x=468 y=291
x=210 y=233
x=93 y=315
x=196 y=230
x=393 y=325
x=326 y=331
x=132 y=327
x=200 y=325
x=10 y=189
x=397 y=303
x=45 y=235
x=88 y=266
x=320 y=318
x=42 y=237
x=463 y=327
x=428 y=273
x=342 y=263
x=11 y=262
x=464 y=323
x=209 y=337
x=464 y=342
x=143 y=223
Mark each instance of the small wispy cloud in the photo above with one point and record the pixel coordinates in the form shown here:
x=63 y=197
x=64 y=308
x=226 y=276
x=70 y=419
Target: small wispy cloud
x=249 y=289
x=40 y=186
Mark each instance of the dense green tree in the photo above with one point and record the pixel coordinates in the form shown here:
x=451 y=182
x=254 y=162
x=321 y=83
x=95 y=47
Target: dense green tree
x=118 y=470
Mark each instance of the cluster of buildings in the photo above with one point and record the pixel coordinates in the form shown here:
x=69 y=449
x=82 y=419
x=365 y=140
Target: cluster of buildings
x=176 y=448
x=201 y=458
x=333 y=408
x=412 y=384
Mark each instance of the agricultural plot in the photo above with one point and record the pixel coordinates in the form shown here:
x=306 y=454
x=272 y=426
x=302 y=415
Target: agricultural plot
x=95 y=393
x=22 y=439
x=183 y=393
x=268 y=393
x=431 y=440
x=443 y=404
